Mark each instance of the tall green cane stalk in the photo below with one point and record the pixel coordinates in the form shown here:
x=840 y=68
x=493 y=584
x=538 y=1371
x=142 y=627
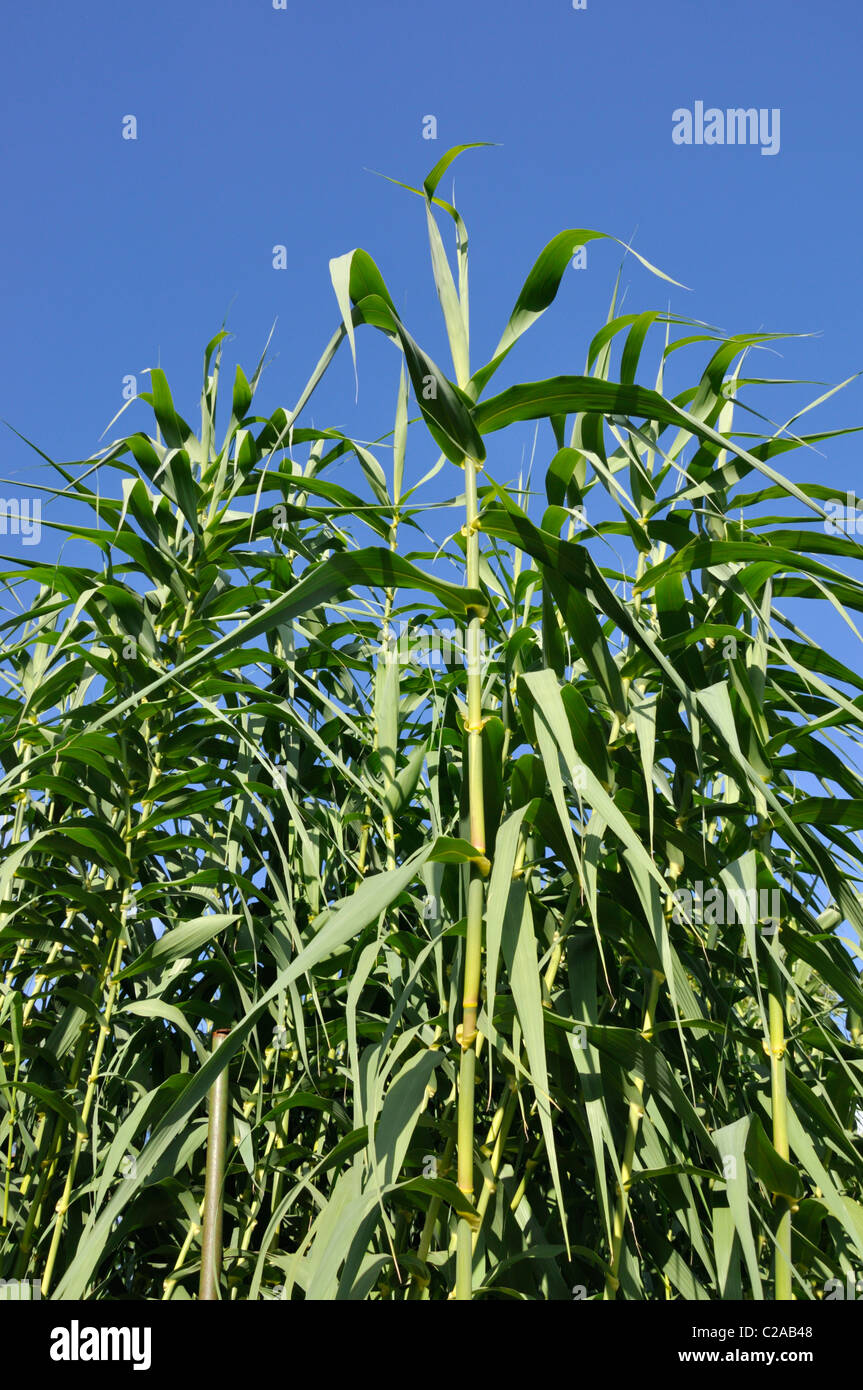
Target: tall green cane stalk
x=783 y=1292
x=211 y=1239
x=475 y=900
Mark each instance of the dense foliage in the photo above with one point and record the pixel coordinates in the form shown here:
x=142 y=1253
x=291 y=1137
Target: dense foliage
x=276 y=759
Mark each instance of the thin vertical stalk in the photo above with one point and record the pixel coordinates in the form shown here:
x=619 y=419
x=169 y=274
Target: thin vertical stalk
x=783 y=1292
x=475 y=901
x=211 y=1238
x=388 y=755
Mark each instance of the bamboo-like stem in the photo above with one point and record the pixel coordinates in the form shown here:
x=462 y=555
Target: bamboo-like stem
x=636 y=1110
x=783 y=1292
x=476 y=900
x=211 y=1238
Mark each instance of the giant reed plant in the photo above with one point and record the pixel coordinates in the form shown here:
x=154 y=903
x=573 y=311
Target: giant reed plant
x=485 y=1031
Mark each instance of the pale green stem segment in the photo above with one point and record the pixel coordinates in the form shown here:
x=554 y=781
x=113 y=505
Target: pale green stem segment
x=211 y=1239
x=636 y=1110
x=782 y=1291
x=779 y=1103
x=475 y=902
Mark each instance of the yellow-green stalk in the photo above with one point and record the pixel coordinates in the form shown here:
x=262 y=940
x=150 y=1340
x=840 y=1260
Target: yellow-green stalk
x=775 y=1048
x=779 y=1104
x=211 y=1238
x=475 y=899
